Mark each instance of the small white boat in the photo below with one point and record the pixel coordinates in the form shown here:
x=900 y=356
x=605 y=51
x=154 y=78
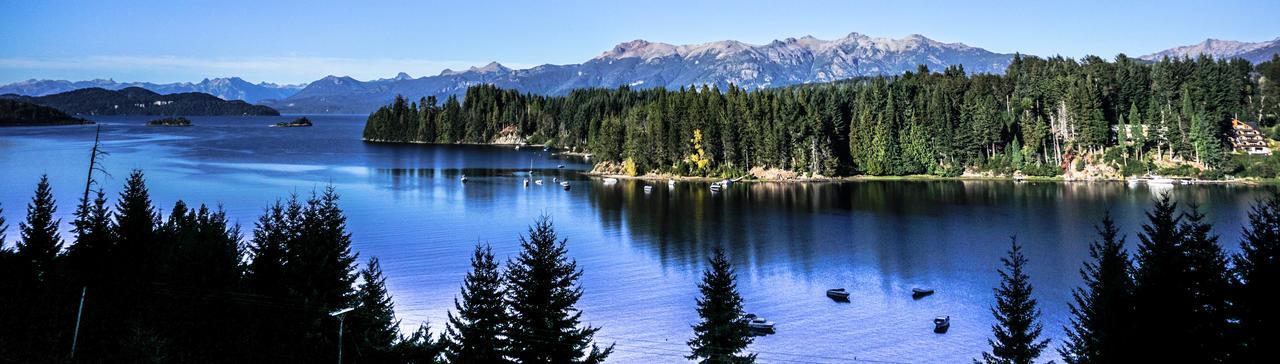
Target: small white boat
x=555 y=179
x=715 y=187
x=546 y=148
x=941 y=324
x=648 y=189
x=463 y=179
x=610 y=180
x=838 y=294
x=565 y=184
x=1164 y=181
x=526 y=182
x=537 y=182
x=726 y=183
x=671 y=182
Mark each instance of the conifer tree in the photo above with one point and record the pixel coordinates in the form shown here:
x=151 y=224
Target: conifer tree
x=475 y=331
x=421 y=348
x=721 y=336
x=1017 y=328
x=89 y=256
x=1101 y=324
x=372 y=326
x=40 y=242
x=320 y=270
x=1208 y=281
x=1160 y=297
x=542 y=293
x=135 y=226
x=1258 y=270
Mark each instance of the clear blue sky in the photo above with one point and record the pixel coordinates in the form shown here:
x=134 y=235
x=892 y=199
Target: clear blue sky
x=300 y=41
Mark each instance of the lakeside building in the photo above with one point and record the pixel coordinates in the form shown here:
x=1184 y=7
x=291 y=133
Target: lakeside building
x=1245 y=138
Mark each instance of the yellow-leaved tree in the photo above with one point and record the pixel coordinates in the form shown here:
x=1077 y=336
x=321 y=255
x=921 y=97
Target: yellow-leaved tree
x=699 y=157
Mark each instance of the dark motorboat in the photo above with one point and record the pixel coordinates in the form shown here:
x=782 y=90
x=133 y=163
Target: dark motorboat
x=918 y=293
x=941 y=324
x=838 y=294
x=757 y=325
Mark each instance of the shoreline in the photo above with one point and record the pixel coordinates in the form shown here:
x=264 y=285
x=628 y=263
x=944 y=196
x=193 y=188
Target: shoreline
x=922 y=178
x=859 y=178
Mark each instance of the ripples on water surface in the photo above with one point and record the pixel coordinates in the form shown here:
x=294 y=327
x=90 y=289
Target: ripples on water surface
x=642 y=253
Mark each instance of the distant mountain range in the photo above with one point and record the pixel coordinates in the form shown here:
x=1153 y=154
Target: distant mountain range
x=140 y=101
x=1256 y=52
x=644 y=64
x=639 y=64
x=231 y=88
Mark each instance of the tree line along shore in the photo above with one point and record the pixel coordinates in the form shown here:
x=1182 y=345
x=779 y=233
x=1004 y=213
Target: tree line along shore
x=1044 y=117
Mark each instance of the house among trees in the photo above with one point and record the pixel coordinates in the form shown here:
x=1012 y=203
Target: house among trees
x=1246 y=138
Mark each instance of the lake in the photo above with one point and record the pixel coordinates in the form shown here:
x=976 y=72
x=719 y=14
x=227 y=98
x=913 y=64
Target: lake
x=642 y=253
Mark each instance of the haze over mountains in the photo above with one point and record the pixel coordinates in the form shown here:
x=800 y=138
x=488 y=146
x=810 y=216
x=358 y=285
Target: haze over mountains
x=639 y=64
x=229 y=88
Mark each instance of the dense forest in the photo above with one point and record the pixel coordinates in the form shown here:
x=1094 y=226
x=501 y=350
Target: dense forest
x=16 y=113
x=132 y=286
x=140 y=101
x=135 y=287
x=1043 y=117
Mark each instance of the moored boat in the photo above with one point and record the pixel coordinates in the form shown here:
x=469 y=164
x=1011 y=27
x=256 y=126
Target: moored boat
x=918 y=293
x=565 y=184
x=715 y=187
x=757 y=325
x=463 y=179
x=610 y=180
x=941 y=324
x=838 y=294
x=648 y=189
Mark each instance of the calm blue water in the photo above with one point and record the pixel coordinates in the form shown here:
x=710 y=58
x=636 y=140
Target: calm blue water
x=642 y=254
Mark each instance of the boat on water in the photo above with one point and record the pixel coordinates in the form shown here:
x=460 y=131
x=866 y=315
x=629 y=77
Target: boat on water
x=565 y=184
x=537 y=182
x=941 y=324
x=1133 y=181
x=838 y=294
x=559 y=166
x=1163 y=181
x=758 y=325
x=648 y=189
x=610 y=180
x=526 y=182
x=671 y=182
x=715 y=187
x=463 y=179
x=918 y=293
x=726 y=183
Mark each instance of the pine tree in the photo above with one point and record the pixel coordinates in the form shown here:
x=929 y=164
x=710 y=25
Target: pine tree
x=273 y=329
x=1101 y=327
x=320 y=270
x=421 y=348
x=542 y=293
x=372 y=326
x=721 y=336
x=1160 y=297
x=90 y=255
x=1017 y=329
x=40 y=243
x=1208 y=280
x=135 y=226
x=475 y=334
x=1258 y=268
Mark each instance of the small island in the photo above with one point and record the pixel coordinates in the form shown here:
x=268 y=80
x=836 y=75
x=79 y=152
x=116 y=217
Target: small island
x=175 y=121
x=299 y=122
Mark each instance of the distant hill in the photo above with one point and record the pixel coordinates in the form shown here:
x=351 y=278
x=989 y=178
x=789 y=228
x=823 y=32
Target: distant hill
x=1254 y=52
x=645 y=64
x=139 y=101
x=21 y=113
x=231 y=88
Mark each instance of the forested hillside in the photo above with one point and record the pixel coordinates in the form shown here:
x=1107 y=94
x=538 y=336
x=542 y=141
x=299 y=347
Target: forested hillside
x=139 y=101
x=18 y=113
x=1042 y=117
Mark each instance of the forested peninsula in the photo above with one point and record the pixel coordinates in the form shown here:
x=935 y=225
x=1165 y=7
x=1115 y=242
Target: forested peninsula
x=1078 y=119
x=140 y=101
x=19 y=113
